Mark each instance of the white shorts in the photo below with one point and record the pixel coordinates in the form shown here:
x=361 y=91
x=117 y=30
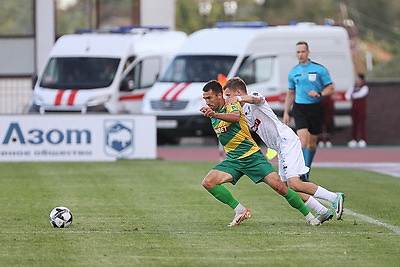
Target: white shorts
x=290 y=158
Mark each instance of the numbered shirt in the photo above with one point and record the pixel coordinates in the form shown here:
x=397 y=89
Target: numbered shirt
x=263 y=121
x=234 y=137
x=302 y=79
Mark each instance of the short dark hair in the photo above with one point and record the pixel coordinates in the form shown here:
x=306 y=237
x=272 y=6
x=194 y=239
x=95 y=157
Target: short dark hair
x=302 y=43
x=362 y=76
x=213 y=85
x=236 y=84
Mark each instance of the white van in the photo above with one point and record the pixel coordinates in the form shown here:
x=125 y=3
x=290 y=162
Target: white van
x=261 y=55
x=103 y=72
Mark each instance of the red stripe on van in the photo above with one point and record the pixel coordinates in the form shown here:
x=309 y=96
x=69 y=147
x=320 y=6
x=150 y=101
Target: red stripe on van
x=175 y=96
x=339 y=96
x=169 y=91
x=276 y=98
x=59 y=95
x=71 y=98
x=131 y=97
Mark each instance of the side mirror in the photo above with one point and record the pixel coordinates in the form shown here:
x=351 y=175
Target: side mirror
x=127 y=85
x=34 y=80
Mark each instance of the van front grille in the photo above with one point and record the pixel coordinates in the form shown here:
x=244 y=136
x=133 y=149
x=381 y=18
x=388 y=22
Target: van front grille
x=168 y=104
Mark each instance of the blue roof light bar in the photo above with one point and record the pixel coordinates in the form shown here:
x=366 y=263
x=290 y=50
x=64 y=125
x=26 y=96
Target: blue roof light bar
x=243 y=24
x=125 y=29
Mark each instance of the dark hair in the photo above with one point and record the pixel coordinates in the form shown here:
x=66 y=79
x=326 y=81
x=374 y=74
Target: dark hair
x=213 y=85
x=362 y=76
x=236 y=84
x=302 y=43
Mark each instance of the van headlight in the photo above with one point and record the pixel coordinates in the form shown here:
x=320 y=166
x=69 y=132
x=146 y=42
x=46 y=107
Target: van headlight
x=37 y=100
x=98 y=100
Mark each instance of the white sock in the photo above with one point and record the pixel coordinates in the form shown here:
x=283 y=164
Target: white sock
x=325 y=194
x=314 y=205
x=240 y=209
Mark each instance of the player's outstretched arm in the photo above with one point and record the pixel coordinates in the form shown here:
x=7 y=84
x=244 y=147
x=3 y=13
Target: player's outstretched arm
x=244 y=98
x=233 y=116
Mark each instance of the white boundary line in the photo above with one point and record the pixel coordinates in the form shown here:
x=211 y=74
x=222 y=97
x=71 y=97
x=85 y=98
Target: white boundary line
x=388 y=168
x=368 y=219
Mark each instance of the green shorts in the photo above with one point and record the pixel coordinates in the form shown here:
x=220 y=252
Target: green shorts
x=255 y=166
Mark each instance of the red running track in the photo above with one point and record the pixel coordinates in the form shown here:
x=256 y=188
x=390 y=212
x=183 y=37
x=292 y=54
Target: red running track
x=384 y=160
x=331 y=155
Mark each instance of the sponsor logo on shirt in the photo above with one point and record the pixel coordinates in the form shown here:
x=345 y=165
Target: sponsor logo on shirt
x=256 y=124
x=221 y=129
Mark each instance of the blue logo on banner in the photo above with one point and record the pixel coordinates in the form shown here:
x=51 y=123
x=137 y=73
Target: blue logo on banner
x=119 y=137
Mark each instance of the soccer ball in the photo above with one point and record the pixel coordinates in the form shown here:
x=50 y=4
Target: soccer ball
x=60 y=217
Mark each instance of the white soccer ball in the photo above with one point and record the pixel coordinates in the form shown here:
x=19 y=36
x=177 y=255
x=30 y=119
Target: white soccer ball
x=61 y=217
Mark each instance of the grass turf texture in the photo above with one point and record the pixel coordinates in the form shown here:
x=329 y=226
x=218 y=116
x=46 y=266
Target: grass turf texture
x=156 y=213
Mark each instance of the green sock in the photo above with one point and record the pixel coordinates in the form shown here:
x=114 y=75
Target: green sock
x=223 y=195
x=295 y=201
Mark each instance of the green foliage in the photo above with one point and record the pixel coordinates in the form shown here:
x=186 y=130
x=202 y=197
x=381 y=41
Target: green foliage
x=376 y=21
x=273 y=12
x=156 y=213
x=17 y=17
x=387 y=69
x=187 y=16
x=82 y=15
x=74 y=18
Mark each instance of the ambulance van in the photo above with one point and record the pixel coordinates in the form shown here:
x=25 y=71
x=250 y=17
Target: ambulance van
x=262 y=55
x=103 y=72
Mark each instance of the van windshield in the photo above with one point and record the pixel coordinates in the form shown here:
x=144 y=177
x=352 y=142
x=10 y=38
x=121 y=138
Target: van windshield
x=79 y=73
x=198 y=68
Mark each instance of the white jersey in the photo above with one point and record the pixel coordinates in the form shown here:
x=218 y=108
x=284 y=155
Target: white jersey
x=278 y=136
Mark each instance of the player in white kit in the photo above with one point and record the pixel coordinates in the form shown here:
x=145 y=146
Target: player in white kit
x=278 y=136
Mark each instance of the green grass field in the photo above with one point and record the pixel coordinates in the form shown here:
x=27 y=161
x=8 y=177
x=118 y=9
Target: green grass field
x=156 y=213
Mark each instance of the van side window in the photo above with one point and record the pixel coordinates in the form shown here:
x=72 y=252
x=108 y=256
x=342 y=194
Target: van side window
x=144 y=73
x=151 y=68
x=200 y=68
x=129 y=61
x=257 y=69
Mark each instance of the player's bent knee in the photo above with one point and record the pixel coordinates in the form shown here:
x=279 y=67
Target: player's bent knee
x=295 y=183
x=207 y=183
x=295 y=186
x=213 y=178
x=312 y=147
x=275 y=183
x=282 y=189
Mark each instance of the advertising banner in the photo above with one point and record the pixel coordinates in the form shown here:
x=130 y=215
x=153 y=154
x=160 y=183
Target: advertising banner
x=77 y=138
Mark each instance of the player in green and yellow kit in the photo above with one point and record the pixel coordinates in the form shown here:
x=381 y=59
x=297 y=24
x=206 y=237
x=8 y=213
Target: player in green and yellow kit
x=244 y=157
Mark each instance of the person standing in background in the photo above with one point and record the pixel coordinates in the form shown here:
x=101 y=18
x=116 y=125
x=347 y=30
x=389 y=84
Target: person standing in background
x=309 y=82
x=328 y=124
x=358 y=96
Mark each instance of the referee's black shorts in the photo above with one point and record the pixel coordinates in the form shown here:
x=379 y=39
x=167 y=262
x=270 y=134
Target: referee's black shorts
x=308 y=116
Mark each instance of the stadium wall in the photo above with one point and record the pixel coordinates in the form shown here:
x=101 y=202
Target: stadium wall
x=383 y=112
x=383 y=115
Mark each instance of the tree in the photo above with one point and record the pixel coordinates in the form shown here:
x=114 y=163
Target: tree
x=16 y=17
